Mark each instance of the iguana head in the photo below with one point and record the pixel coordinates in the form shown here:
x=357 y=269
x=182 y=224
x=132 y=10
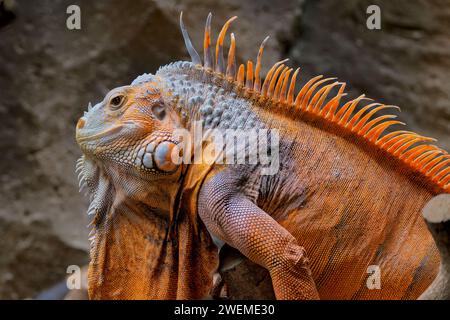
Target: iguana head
x=127 y=137
x=132 y=127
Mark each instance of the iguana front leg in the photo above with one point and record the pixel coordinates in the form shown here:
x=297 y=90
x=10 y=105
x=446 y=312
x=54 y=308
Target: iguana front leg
x=230 y=215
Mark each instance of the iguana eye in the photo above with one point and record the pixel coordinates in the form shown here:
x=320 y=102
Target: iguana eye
x=116 y=101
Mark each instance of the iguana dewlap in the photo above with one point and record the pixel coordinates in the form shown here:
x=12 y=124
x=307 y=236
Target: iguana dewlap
x=345 y=195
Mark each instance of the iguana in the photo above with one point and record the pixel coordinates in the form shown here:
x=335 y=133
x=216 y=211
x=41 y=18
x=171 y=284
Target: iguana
x=347 y=190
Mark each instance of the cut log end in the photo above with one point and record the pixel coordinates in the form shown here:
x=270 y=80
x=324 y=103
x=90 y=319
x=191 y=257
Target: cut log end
x=437 y=216
x=437 y=210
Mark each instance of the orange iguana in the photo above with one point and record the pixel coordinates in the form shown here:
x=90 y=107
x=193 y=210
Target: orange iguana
x=344 y=190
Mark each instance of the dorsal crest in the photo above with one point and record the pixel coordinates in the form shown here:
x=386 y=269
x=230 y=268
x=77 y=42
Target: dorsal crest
x=314 y=98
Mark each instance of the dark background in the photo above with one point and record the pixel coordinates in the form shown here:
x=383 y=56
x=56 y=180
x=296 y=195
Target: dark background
x=48 y=74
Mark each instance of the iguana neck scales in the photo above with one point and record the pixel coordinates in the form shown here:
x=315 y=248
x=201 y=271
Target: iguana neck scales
x=345 y=191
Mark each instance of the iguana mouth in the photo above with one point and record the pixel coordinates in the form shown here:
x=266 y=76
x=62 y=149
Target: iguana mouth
x=85 y=138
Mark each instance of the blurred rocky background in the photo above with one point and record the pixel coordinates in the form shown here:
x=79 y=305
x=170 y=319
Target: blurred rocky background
x=48 y=74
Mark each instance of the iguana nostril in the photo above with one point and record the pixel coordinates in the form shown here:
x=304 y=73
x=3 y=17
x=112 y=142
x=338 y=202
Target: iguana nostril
x=163 y=156
x=80 y=123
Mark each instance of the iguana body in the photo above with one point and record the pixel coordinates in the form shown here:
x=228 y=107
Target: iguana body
x=344 y=192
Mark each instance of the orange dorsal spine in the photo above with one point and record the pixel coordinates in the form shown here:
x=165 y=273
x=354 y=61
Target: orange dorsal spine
x=412 y=149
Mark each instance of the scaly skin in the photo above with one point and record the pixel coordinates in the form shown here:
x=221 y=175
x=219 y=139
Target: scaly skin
x=347 y=194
